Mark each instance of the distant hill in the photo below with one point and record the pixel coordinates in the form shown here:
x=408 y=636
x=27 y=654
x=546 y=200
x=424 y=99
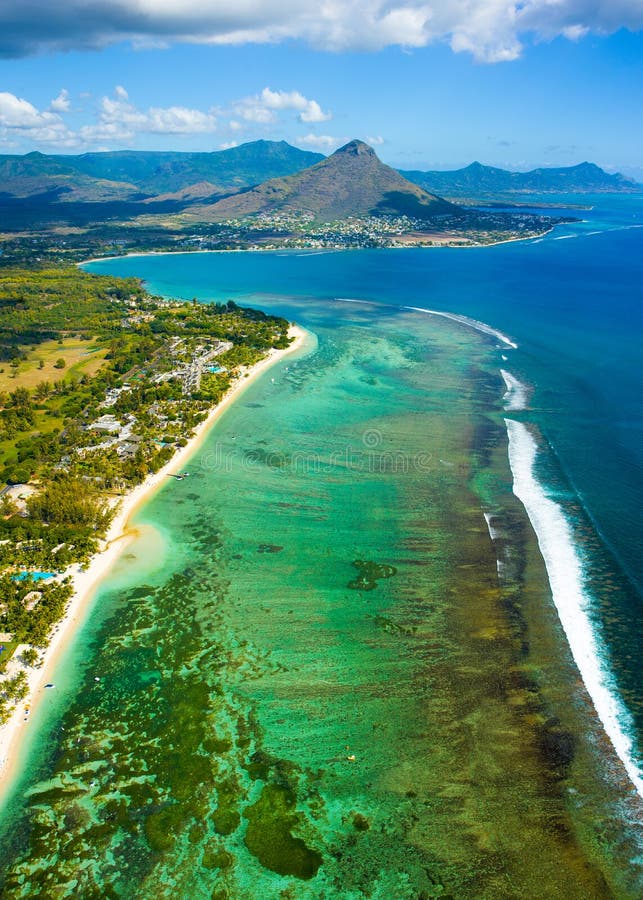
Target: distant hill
x=55 y=178
x=184 y=180
x=478 y=180
x=350 y=182
x=129 y=175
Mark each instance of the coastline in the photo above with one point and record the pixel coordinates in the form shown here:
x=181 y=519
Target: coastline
x=445 y=246
x=119 y=535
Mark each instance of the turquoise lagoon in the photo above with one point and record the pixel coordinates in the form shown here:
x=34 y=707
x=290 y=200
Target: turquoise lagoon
x=334 y=665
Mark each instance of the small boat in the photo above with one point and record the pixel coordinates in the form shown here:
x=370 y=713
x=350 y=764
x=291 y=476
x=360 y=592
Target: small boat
x=50 y=685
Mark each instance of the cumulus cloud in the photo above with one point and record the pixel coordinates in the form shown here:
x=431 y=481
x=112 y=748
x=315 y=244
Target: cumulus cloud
x=116 y=119
x=61 y=103
x=375 y=140
x=263 y=107
x=491 y=30
x=120 y=120
x=15 y=112
x=320 y=141
x=20 y=119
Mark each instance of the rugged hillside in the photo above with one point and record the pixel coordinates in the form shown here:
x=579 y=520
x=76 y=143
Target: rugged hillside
x=351 y=182
x=232 y=169
x=477 y=180
x=55 y=179
x=134 y=175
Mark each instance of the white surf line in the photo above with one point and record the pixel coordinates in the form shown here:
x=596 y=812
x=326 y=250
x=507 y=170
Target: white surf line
x=564 y=570
x=465 y=320
x=515 y=396
x=353 y=300
x=494 y=534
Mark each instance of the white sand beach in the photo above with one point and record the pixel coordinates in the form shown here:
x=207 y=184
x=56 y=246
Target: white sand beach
x=86 y=580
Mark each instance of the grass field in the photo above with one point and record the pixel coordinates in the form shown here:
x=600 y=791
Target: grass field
x=81 y=358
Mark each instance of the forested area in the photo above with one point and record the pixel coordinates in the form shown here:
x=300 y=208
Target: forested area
x=100 y=384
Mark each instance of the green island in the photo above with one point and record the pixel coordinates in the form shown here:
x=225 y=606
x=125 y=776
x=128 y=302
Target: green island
x=100 y=384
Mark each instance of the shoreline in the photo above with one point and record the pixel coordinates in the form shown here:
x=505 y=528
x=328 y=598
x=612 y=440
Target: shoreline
x=313 y=250
x=119 y=535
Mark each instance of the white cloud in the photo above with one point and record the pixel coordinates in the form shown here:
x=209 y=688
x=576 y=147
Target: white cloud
x=575 y=32
x=18 y=113
x=320 y=141
x=309 y=110
x=61 y=103
x=491 y=30
x=263 y=108
x=20 y=119
x=228 y=145
x=120 y=120
x=117 y=119
x=375 y=141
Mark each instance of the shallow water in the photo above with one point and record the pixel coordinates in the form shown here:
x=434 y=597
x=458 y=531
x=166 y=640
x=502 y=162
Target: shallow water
x=347 y=678
x=337 y=684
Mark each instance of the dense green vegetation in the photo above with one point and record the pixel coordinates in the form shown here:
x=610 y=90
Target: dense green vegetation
x=70 y=447
x=52 y=303
x=134 y=174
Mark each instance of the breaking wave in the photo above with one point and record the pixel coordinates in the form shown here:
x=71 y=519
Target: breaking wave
x=566 y=579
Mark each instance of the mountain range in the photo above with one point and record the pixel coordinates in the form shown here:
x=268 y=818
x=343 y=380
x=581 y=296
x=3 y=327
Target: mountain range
x=161 y=190
x=136 y=175
x=477 y=180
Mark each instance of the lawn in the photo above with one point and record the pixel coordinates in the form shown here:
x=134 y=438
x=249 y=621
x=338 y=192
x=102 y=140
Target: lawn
x=81 y=358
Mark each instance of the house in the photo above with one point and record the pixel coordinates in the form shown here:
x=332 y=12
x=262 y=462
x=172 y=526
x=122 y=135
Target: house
x=106 y=423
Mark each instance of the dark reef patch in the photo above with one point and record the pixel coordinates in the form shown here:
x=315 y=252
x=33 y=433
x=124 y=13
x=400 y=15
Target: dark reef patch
x=369 y=574
x=269 y=837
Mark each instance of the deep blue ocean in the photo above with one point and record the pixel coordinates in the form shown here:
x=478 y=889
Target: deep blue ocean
x=573 y=303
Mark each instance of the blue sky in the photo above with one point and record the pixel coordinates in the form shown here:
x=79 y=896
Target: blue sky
x=430 y=84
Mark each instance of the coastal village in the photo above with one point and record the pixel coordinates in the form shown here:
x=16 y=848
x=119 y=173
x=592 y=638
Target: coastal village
x=302 y=231
x=143 y=373
x=281 y=230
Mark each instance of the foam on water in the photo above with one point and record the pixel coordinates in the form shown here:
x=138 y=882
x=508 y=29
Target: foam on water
x=465 y=320
x=353 y=300
x=493 y=532
x=515 y=396
x=566 y=579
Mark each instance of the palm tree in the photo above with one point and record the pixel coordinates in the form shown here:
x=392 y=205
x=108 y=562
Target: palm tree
x=43 y=390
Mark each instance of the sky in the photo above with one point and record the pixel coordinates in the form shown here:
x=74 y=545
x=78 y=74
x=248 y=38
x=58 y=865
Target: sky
x=429 y=83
